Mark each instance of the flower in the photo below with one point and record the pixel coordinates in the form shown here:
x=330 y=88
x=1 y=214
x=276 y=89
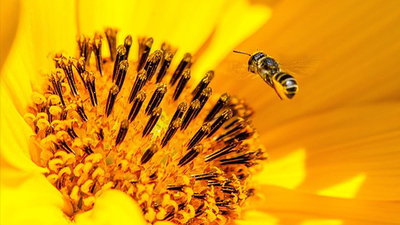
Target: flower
x=334 y=149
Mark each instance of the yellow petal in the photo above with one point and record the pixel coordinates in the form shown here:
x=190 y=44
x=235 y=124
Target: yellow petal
x=113 y=207
x=292 y=207
x=33 y=43
x=8 y=24
x=15 y=135
x=28 y=198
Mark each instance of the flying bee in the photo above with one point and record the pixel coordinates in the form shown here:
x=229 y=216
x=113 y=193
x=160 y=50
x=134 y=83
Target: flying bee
x=268 y=69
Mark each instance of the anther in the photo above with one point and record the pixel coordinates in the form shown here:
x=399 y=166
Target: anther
x=180 y=110
x=121 y=51
x=204 y=96
x=138 y=85
x=137 y=105
x=88 y=149
x=123 y=129
x=149 y=153
x=85 y=48
x=182 y=65
x=223 y=203
x=156 y=98
x=111 y=35
x=100 y=134
x=81 y=111
x=175 y=187
x=200 y=210
x=97 y=52
x=172 y=128
x=127 y=45
x=181 y=84
x=80 y=67
x=65 y=147
x=164 y=66
x=200 y=134
x=193 y=153
x=71 y=132
x=123 y=68
x=222 y=101
x=144 y=51
x=66 y=65
x=190 y=113
x=237 y=126
x=203 y=84
x=152 y=63
x=155 y=115
x=224 y=151
x=245 y=159
x=112 y=95
x=55 y=79
x=199 y=196
x=226 y=115
x=205 y=176
x=91 y=87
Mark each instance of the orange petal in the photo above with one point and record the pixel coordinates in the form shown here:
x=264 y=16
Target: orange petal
x=113 y=207
x=341 y=145
x=292 y=207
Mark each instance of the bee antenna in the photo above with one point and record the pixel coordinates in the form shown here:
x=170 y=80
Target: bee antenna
x=240 y=52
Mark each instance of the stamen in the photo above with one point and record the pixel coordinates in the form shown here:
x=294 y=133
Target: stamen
x=137 y=105
x=226 y=115
x=127 y=45
x=157 y=97
x=172 y=128
x=164 y=66
x=224 y=151
x=80 y=67
x=90 y=85
x=174 y=187
x=55 y=79
x=123 y=129
x=199 y=196
x=200 y=134
x=180 y=110
x=193 y=153
x=189 y=116
x=81 y=111
x=182 y=83
x=152 y=63
x=203 y=84
x=204 y=96
x=155 y=115
x=138 y=85
x=112 y=95
x=66 y=65
x=245 y=159
x=121 y=51
x=97 y=53
x=240 y=124
x=65 y=147
x=88 y=150
x=71 y=132
x=123 y=68
x=205 y=176
x=144 y=51
x=182 y=65
x=85 y=48
x=222 y=101
x=149 y=153
x=111 y=35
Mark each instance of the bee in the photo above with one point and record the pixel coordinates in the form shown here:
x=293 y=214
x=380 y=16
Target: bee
x=268 y=69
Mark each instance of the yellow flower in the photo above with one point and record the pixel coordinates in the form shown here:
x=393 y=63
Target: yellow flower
x=334 y=148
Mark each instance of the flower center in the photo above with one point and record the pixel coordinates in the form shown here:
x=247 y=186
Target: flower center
x=181 y=153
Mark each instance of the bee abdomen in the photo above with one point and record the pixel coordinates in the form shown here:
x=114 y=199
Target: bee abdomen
x=288 y=83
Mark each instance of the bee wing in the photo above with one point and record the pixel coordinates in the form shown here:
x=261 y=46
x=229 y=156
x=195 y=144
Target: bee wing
x=238 y=70
x=299 y=66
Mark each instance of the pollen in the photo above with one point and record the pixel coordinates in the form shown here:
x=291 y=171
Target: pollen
x=184 y=153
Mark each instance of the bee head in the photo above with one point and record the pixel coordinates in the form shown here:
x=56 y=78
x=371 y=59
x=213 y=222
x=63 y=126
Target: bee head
x=253 y=61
